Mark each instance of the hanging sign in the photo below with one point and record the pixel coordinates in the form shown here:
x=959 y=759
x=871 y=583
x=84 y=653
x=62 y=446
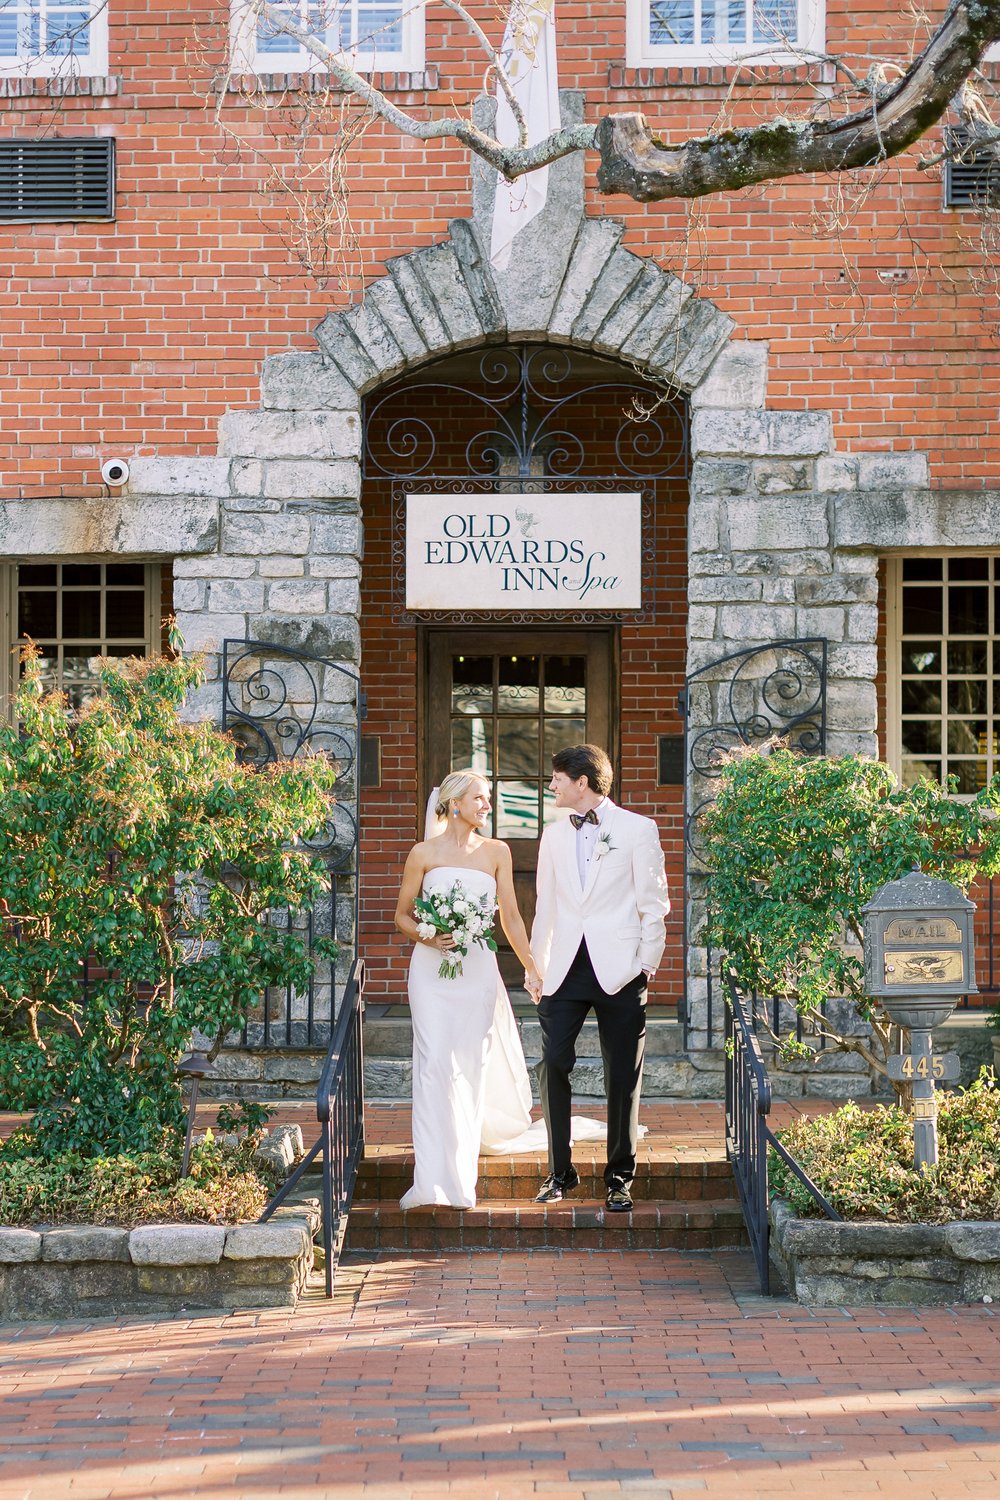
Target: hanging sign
x=524 y=551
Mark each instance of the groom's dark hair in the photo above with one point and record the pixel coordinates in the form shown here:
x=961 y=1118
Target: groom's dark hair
x=585 y=760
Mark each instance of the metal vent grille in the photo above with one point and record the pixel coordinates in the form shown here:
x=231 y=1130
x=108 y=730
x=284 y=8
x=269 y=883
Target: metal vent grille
x=974 y=181
x=57 y=179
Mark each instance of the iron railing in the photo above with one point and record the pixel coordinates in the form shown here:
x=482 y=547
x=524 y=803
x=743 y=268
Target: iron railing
x=340 y=1110
x=748 y=1135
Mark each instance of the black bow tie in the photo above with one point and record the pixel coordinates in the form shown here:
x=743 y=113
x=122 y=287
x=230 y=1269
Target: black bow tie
x=578 y=819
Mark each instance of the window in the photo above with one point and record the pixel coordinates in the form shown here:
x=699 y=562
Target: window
x=671 y=32
x=372 y=35
x=45 y=37
x=79 y=612
x=944 y=668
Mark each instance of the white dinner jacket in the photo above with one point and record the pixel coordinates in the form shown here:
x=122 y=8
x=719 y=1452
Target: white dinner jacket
x=620 y=909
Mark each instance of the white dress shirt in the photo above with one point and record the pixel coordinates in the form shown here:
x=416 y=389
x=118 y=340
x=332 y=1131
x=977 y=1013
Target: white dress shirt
x=586 y=842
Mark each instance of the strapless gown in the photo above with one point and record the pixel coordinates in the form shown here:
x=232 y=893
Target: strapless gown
x=471 y=1090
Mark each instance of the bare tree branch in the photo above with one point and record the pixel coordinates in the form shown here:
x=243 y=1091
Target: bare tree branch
x=636 y=162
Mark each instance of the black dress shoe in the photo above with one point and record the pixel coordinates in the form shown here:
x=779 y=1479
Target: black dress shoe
x=557 y=1185
x=619 y=1199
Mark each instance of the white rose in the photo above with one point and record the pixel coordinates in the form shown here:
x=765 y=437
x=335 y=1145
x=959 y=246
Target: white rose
x=425 y=931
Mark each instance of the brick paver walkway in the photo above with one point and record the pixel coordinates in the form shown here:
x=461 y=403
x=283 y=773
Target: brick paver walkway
x=497 y=1377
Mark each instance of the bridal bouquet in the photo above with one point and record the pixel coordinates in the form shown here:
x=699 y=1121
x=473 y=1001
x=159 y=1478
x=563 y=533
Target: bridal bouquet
x=468 y=918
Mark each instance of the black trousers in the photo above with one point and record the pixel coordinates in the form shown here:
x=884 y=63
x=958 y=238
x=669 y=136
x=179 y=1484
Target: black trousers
x=621 y=1026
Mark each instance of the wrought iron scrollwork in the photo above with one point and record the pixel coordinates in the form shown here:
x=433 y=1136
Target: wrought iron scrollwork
x=279 y=703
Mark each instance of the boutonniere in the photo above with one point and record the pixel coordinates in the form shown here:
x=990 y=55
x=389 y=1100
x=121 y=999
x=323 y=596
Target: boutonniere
x=603 y=846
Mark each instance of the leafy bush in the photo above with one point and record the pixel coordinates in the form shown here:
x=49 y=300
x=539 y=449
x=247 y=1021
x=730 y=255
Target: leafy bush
x=140 y=853
x=862 y=1161
x=797 y=846
x=225 y=1186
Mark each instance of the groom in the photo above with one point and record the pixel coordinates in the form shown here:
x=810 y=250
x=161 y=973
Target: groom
x=596 y=940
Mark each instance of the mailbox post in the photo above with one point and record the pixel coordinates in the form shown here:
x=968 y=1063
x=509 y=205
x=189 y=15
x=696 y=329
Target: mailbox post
x=918 y=961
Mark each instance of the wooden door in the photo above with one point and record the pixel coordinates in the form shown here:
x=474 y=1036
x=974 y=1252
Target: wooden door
x=501 y=701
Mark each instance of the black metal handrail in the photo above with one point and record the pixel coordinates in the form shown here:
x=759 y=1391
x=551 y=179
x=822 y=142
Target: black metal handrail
x=340 y=1110
x=748 y=1135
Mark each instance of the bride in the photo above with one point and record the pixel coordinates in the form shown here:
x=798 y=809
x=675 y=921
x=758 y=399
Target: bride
x=470 y=1082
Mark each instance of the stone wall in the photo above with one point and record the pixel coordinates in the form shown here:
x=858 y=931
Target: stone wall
x=825 y=1264
x=90 y=1271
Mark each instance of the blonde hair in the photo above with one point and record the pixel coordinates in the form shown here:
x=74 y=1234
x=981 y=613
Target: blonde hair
x=454 y=787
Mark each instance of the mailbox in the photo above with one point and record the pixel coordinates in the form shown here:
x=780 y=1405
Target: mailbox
x=919 y=948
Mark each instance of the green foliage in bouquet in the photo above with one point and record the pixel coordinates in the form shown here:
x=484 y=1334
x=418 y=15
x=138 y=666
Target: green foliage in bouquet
x=140 y=855
x=797 y=845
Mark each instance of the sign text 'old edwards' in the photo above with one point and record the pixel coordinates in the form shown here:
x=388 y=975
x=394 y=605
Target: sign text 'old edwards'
x=524 y=551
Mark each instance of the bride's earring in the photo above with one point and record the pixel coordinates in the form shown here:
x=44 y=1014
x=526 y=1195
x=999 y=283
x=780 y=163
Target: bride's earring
x=454 y=812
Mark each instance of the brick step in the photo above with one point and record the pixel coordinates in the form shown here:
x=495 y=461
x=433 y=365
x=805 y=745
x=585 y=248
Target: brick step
x=716 y=1224
x=661 y=1175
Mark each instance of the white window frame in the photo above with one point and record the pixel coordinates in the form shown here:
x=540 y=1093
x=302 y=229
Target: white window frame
x=894 y=665
x=245 y=58
x=640 y=52
x=71 y=65
x=9 y=638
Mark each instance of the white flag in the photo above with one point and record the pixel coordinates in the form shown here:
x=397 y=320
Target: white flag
x=528 y=55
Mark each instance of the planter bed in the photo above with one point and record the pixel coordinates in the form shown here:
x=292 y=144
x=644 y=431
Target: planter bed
x=826 y=1264
x=90 y=1271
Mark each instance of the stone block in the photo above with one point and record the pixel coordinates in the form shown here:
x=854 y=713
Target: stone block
x=777 y=524
x=297 y=596
x=721 y=476
x=178 y=476
x=384 y=299
x=290 y=434
x=742 y=623
x=213 y=567
x=206 y=632
x=282 y=567
x=293 y=1135
x=276 y=1154
x=189 y=594
x=239 y=1065
x=795 y=564
x=595 y=243
x=631 y=309
x=853 y=661
x=338 y=343
x=777 y=590
x=839 y=588
x=83 y=1242
x=862 y=623
x=253 y=535
x=974 y=1241
x=656 y=323
x=702 y=331
x=19 y=1245
x=619 y=274
x=246 y=475
x=176 y=1244
x=419 y=304
x=882 y=471
x=303 y=380
x=782 y=476
x=335 y=636
x=703 y=526
x=292 y=1069
x=840 y=743
x=701 y=623
x=440 y=271
x=934 y=519
x=481 y=279
x=230 y=596
x=737 y=378
x=165 y=526
x=836 y=471
x=366 y=324
x=334 y=567
x=312 y=479
x=719 y=590
x=825 y=622
x=337 y=535
x=285 y=1241
x=782 y=434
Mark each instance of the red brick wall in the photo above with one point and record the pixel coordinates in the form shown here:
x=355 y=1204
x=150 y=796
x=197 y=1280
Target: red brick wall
x=136 y=336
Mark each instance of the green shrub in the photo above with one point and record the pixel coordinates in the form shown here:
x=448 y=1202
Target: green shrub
x=862 y=1161
x=104 y=814
x=225 y=1186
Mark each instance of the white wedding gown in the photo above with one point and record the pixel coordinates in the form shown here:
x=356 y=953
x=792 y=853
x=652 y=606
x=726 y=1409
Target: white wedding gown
x=471 y=1091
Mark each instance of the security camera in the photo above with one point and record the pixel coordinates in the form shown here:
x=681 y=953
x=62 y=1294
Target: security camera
x=115 y=471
